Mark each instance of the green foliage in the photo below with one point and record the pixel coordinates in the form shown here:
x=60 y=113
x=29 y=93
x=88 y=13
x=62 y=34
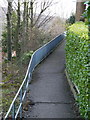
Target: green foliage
x=87 y=12
x=4 y=34
x=71 y=20
x=4 y=41
x=12 y=77
x=14 y=28
x=88 y=9
x=26 y=57
x=77 y=62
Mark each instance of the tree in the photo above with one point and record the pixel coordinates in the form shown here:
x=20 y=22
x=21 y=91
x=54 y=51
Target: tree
x=13 y=33
x=80 y=8
x=25 y=25
x=38 y=20
x=9 y=30
x=27 y=22
x=24 y=28
x=31 y=15
x=18 y=31
x=57 y=27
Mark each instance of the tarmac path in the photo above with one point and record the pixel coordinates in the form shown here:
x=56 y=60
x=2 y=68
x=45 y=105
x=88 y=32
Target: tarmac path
x=49 y=90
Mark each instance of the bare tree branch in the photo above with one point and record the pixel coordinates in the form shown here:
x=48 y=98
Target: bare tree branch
x=45 y=18
x=4 y=10
x=44 y=6
x=15 y=3
x=45 y=21
x=35 y=9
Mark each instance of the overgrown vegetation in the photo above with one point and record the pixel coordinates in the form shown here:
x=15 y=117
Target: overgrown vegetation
x=13 y=74
x=77 y=62
x=71 y=20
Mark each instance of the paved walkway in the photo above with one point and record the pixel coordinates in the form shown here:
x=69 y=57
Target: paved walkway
x=49 y=89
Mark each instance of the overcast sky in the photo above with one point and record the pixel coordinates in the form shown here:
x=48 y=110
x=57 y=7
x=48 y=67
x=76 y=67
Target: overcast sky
x=62 y=8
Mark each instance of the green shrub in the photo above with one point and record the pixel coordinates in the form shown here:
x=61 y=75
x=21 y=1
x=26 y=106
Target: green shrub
x=77 y=62
x=71 y=20
x=26 y=57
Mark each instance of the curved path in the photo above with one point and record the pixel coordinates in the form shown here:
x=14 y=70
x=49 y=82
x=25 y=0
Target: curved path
x=49 y=89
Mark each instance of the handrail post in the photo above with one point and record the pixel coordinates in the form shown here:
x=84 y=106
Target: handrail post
x=21 y=103
x=13 y=112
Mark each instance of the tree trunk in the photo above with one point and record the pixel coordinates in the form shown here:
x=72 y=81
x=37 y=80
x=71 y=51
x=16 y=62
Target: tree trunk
x=32 y=41
x=17 y=47
x=31 y=6
x=9 y=33
x=80 y=8
x=24 y=16
x=24 y=28
x=27 y=23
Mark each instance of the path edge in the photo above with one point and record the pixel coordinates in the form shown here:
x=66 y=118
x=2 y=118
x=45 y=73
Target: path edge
x=73 y=87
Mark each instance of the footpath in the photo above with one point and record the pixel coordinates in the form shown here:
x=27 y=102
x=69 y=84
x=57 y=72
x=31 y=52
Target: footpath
x=49 y=90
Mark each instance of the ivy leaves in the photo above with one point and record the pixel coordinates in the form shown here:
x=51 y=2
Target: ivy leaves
x=77 y=61
x=88 y=10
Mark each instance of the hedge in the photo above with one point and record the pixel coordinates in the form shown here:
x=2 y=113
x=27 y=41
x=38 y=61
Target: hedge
x=77 y=62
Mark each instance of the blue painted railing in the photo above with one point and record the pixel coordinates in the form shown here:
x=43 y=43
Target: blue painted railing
x=15 y=109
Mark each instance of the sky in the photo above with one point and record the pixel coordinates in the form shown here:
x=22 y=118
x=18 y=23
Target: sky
x=62 y=8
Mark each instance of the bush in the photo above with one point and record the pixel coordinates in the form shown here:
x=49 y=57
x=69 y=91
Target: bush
x=4 y=41
x=71 y=20
x=26 y=57
x=77 y=62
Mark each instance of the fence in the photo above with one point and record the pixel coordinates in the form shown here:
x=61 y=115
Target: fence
x=15 y=109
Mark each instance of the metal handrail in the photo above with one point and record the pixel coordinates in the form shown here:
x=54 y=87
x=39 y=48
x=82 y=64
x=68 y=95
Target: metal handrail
x=36 y=58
